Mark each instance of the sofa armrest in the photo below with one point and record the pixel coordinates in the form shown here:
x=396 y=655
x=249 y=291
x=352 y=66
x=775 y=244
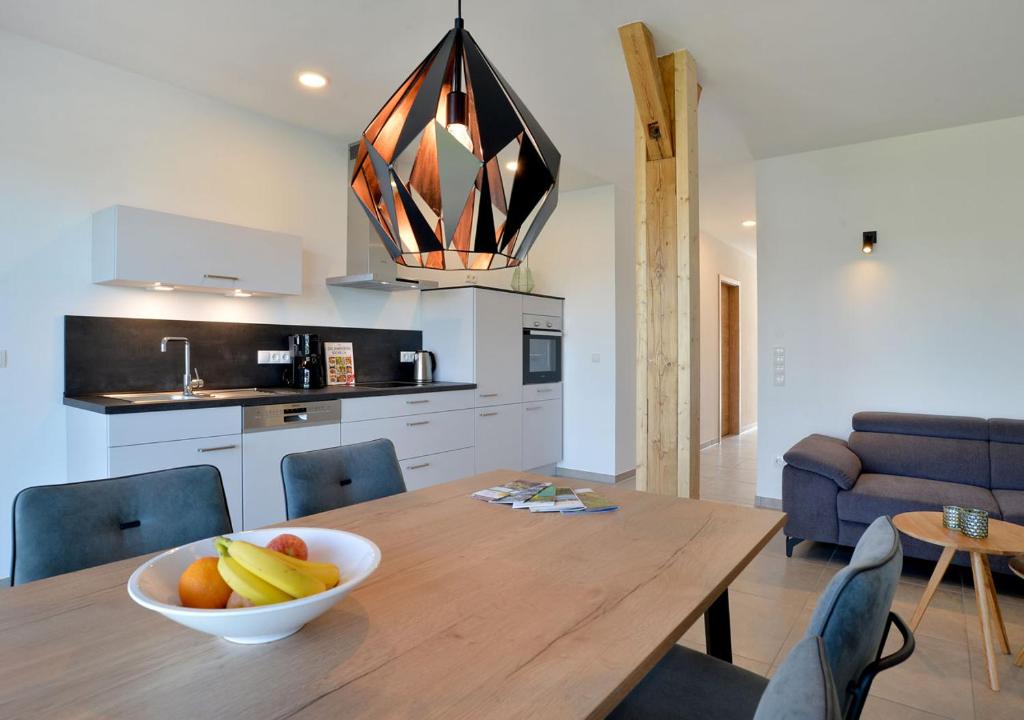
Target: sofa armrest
x=826 y=456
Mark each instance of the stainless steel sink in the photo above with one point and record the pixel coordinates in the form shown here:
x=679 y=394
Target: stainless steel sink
x=176 y=396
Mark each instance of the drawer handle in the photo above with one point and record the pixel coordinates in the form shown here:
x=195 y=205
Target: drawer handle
x=416 y=402
x=130 y=524
x=535 y=407
x=544 y=390
x=211 y=276
x=217 y=449
x=419 y=422
x=488 y=414
x=417 y=467
x=488 y=394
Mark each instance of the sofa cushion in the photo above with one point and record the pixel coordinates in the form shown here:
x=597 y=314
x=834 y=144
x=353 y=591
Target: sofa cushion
x=1007 y=452
x=826 y=456
x=1011 y=505
x=950 y=459
x=876 y=494
x=941 y=426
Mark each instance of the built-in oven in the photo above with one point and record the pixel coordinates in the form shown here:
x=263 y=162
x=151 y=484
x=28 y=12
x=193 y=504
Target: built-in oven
x=542 y=349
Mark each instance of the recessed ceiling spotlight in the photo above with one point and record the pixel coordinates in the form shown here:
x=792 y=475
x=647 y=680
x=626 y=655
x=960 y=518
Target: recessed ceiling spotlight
x=749 y=223
x=512 y=165
x=312 y=80
x=161 y=288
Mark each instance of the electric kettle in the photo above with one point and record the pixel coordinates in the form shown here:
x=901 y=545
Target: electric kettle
x=423 y=366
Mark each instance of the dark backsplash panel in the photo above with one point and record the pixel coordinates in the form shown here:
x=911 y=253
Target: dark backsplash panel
x=104 y=354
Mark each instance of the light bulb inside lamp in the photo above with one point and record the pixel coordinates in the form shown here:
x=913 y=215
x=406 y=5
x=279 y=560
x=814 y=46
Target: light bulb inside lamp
x=461 y=133
x=456 y=117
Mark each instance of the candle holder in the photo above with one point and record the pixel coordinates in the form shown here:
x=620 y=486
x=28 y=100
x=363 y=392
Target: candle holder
x=951 y=516
x=974 y=523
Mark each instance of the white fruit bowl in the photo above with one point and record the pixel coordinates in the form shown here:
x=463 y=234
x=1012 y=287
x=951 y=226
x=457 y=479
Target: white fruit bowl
x=154 y=585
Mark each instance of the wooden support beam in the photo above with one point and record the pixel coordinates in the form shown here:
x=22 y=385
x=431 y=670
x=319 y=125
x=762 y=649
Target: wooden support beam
x=667 y=267
x=648 y=89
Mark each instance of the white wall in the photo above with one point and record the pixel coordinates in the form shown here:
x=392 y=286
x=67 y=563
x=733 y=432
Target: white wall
x=718 y=260
x=77 y=136
x=932 y=322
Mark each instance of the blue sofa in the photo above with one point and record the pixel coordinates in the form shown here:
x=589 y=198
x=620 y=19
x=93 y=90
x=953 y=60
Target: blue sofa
x=900 y=462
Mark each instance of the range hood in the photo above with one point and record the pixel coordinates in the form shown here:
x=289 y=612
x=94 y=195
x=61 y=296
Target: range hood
x=369 y=265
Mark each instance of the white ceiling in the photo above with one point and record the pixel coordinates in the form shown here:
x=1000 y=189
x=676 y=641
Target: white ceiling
x=779 y=77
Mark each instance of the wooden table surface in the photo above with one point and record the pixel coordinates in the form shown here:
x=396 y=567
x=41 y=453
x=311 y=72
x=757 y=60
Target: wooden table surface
x=476 y=611
x=1004 y=538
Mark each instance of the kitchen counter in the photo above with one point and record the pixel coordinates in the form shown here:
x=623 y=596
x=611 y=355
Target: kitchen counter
x=277 y=396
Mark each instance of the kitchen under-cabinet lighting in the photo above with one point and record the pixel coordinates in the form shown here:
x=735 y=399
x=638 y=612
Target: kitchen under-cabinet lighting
x=161 y=287
x=749 y=223
x=239 y=293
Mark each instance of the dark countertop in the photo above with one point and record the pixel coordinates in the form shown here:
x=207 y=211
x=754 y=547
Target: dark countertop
x=279 y=396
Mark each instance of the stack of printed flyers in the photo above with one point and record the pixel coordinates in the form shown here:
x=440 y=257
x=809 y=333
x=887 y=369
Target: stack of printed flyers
x=545 y=497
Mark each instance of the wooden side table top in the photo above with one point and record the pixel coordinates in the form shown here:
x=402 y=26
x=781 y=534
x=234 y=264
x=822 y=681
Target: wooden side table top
x=1004 y=538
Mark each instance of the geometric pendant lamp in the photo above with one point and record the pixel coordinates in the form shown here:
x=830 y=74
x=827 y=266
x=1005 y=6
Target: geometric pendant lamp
x=454 y=172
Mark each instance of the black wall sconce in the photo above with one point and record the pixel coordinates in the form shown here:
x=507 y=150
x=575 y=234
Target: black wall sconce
x=870 y=240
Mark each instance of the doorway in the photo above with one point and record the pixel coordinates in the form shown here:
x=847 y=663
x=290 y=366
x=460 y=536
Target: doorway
x=729 y=329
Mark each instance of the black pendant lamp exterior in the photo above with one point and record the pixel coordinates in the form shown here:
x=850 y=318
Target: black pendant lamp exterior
x=454 y=172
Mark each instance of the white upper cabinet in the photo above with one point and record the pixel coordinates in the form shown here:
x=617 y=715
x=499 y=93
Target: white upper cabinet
x=136 y=247
x=537 y=305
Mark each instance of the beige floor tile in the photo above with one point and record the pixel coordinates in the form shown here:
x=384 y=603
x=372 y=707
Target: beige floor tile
x=944 y=618
x=1008 y=703
x=936 y=679
x=759 y=626
x=772 y=576
x=878 y=708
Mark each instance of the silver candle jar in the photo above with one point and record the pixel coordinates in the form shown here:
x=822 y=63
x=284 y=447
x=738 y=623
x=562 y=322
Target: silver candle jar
x=951 y=516
x=974 y=523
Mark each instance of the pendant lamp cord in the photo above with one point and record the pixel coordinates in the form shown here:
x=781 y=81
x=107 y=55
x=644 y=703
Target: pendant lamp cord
x=460 y=9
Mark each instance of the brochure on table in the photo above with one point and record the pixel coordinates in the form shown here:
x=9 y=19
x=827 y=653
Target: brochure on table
x=542 y=497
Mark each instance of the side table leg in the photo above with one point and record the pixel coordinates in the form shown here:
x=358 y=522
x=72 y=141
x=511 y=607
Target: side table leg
x=1019 y=661
x=933 y=584
x=997 y=614
x=984 y=619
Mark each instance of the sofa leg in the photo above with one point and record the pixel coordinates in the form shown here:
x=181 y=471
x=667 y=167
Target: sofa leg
x=792 y=542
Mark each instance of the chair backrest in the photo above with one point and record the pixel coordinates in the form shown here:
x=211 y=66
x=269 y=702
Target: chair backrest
x=936 y=447
x=852 y=614
x=321 y=480
x=62 y=528
x=802 y=687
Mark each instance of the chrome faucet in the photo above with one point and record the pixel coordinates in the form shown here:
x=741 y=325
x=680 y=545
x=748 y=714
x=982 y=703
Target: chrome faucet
x=188 y=383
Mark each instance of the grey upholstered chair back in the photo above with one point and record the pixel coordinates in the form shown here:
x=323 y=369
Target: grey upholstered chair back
x=851 y=615
x=802 y=687
x=62 y=528
x=322 y=480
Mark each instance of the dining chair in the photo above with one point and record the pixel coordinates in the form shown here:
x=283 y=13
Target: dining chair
x=852 y=619
x=62 y=528
x=321 y=480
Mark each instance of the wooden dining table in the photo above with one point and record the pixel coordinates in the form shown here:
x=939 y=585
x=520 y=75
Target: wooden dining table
x=476 y=611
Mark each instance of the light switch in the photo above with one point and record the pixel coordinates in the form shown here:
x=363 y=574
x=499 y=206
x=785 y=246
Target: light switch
x=3 y=358
x=779 y=366
x=595 y=358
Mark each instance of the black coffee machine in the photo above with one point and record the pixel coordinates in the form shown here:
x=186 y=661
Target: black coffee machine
x=307 y=369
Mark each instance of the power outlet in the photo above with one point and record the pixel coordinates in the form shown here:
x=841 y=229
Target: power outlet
x=407 y=356
x=779 y=461
x=273 y=357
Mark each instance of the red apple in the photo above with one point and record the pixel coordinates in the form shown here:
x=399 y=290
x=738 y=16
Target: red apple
x=290 y=545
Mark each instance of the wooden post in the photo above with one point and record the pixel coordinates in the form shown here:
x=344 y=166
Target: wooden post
x=667 y=266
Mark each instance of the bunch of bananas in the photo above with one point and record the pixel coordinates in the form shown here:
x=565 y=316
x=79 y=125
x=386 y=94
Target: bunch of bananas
x=263 y=576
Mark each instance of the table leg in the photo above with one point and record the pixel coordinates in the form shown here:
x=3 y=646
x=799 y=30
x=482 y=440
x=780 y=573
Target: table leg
x=1019 y=660
x=717 y=630
x=933 y=584
x=985 y=621
x=997 y=614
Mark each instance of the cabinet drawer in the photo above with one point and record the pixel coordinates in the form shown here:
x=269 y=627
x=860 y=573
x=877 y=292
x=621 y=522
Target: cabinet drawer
x=542 y=433
x=542 y=391
x=503 y=394
x=390 y=406
x=223 y=452
x=430 y=470
x=166 y=425
x=499 y=438
x=415 y=435
x=533 y=305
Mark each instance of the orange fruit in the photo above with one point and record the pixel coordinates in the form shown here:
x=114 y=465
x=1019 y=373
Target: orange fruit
x=201 y=585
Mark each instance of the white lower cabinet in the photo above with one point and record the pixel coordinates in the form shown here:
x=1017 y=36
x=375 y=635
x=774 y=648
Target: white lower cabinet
x=430 y=470
x=542 y=433
x=224 y=452
x=415 y=435
x=499 y=437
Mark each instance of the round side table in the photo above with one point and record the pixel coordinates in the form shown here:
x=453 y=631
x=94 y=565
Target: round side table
x=1003 y=539
x=1017 y=568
